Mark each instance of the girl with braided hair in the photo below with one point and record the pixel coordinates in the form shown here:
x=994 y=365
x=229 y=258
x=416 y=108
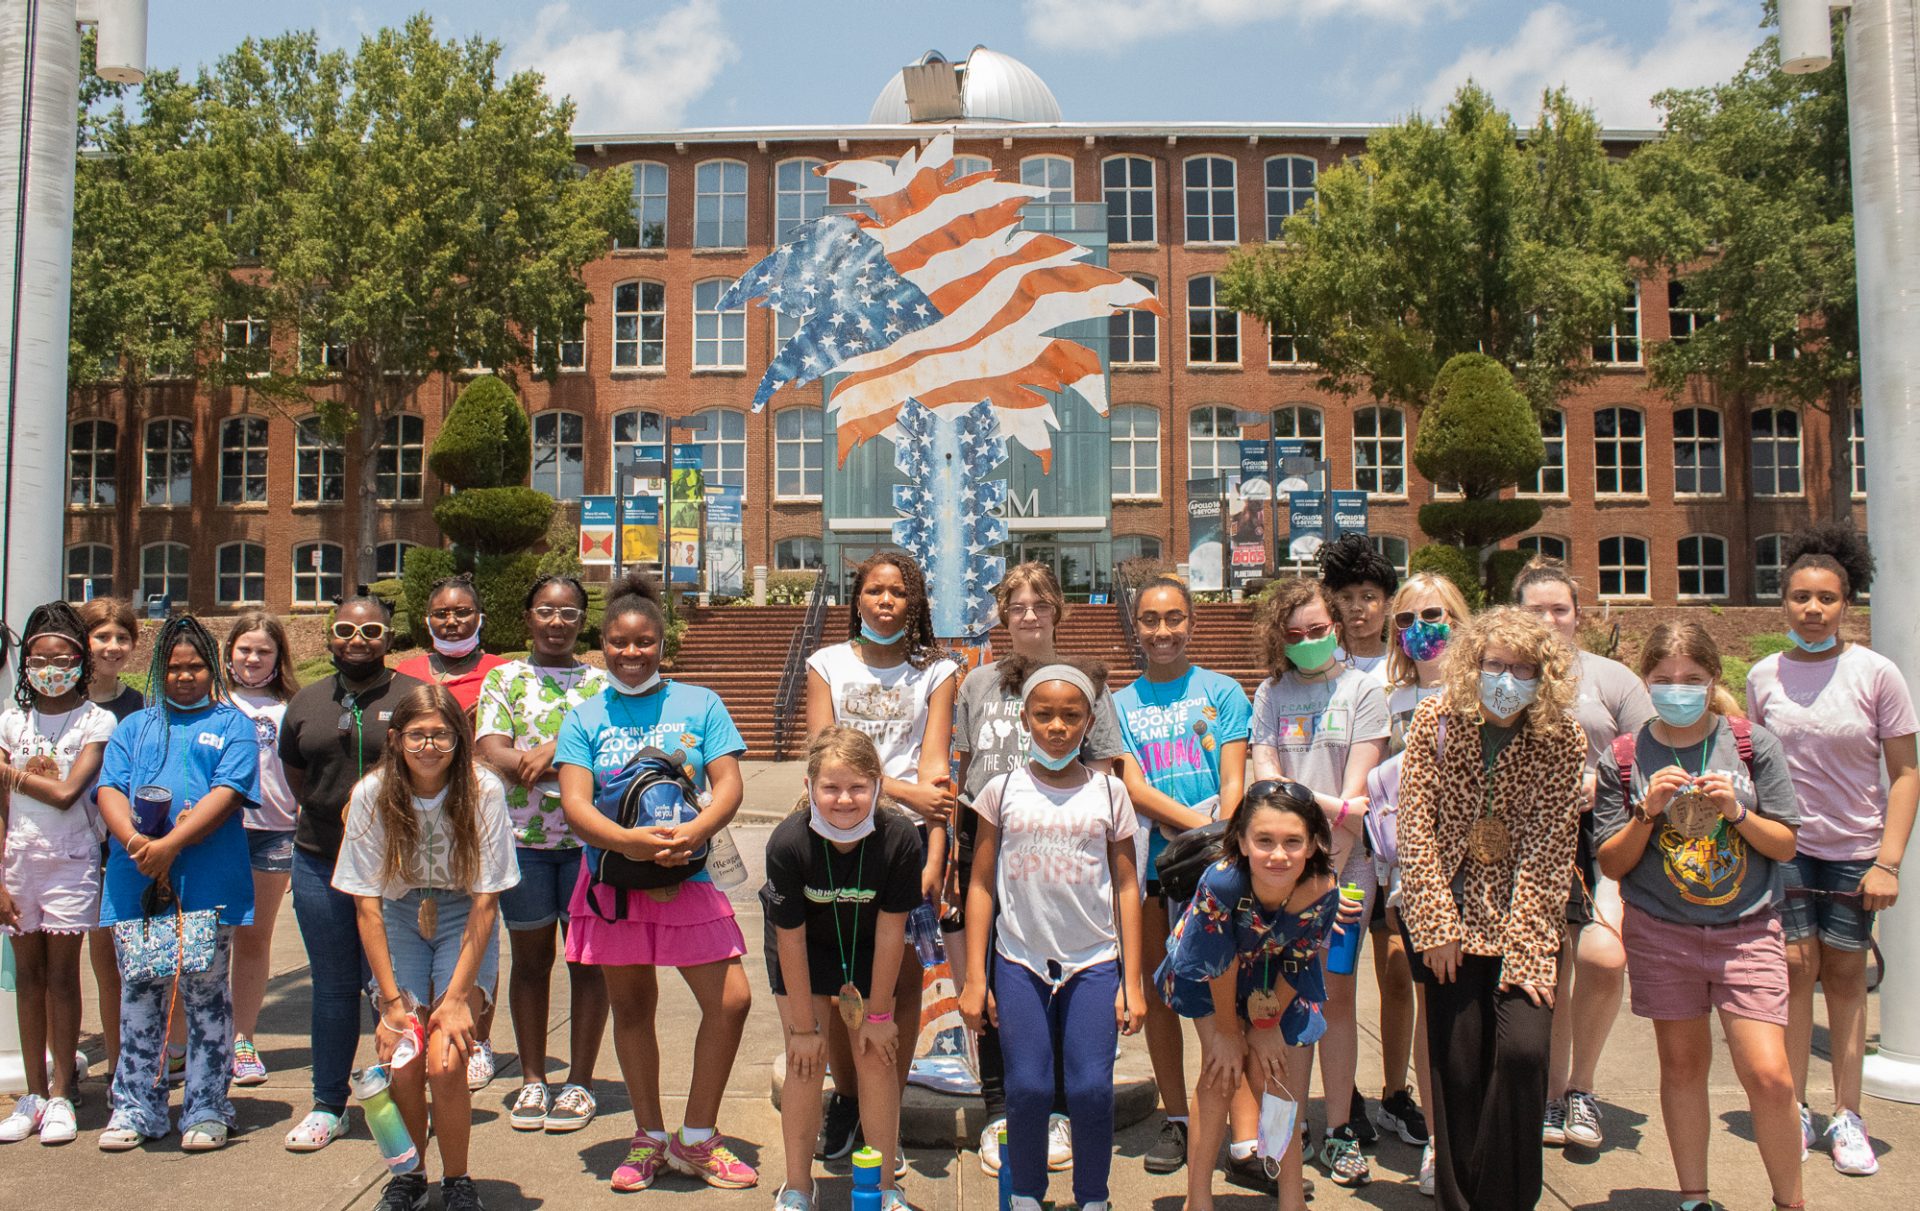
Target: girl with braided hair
x=51 y=743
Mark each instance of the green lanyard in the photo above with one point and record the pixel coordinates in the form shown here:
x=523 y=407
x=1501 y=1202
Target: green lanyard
x=847 y=954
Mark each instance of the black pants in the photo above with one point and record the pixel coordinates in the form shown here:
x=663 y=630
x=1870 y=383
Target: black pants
x=1489 y=1052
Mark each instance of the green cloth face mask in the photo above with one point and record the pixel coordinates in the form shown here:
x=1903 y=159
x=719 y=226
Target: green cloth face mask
x=1309 y=655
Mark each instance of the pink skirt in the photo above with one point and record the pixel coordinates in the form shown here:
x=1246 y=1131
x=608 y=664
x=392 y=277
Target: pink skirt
x=695 y=927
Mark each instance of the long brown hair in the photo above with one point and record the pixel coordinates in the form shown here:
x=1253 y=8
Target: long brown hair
x=1040 y=580
x=1689 y=641
x=286 y=677
x=1270 y=631
x=922 y=649
x=393 y=801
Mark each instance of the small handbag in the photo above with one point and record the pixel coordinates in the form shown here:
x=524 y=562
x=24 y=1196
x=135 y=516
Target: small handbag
x=162 y=945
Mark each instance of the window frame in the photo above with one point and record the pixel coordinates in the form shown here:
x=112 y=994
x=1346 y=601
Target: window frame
x=1292 y=359
x=573 y=337
x=1383 y=546
x=661 y=439
x=171 y=451
x=400 y=557
x=1620 y=445
x=786 y=544
x=1215 y=338
x=1159 y=548
x=396 y=421
x=1381 y=442
x=1717 y=443
x=257 y=342
x=967 y=165
x=783 y=227
x=717 y=320
x=721 y=443
x=1211 y=190
x=1132 y=319
x=1131 y=192
x=1614 y=341
x=248 y=452
x=102 y=486
x=1294 y=413
x=1562 y=548
x=68 y=577
x=1551 y=465
x=723 y=199
x=639 y=341
x=1276 y=232
x=1222 y=443
x=559 y=445
x=1763 y=567
x=308 y=440
x=1624 y=569
x=809 y=450
x=1857 y=451
x=254 y=576
x=1049 y=161
x=642 y=199
x=1132 y=442
x=1683 y=322
x=1701 y=567
x=167 y=574
x=1774 y=441
x=303 y=569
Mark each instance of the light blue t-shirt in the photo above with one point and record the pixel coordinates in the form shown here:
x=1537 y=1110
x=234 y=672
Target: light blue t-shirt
x=605 y=732
x=1176 y=731
x=190 y=753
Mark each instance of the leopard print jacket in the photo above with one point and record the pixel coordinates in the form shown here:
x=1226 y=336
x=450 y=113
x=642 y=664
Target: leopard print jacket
x=1514 y=909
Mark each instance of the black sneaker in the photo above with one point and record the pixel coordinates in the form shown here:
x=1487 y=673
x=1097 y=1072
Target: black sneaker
x=459 y=1194
x=1357 y=1119
x=839 y=1130
x=1399 y=1115
x=1169 y=1152
x=1250 y=1173
x=408 y=1192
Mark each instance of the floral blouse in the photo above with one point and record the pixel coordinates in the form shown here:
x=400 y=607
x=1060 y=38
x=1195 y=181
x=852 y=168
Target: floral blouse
x=1225 y=925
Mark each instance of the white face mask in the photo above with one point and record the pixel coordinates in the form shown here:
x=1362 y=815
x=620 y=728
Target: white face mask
x=1278 y=1114
x=833 y=832
x=454 y=649
x=635 y=690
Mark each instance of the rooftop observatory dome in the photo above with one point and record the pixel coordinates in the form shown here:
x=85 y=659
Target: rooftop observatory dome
x=987 y=87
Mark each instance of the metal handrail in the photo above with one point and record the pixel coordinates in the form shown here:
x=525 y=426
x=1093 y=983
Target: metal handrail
x=1123 y=601
x=805 y=638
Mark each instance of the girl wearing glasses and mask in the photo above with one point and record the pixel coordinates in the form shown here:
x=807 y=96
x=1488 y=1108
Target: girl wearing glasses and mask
x=1323 y=723
x=335 y=730
x=454 y=661
x=426 y=853
x=1490 y=796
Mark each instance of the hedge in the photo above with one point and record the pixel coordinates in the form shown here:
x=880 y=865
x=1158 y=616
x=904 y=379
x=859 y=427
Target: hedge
x=502 y=582
x=423 y=566
x=1477 y=523
x=1502 y=566
x=486 y=440
x=494 y=521
x=1454 y=564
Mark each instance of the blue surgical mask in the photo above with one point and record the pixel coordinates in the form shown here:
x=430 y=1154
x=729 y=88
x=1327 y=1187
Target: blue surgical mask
x=1825 y=645
x=1679 y=705
x=1041 y=758
x=1505 y=695
x=872 y=636
x=204 y=701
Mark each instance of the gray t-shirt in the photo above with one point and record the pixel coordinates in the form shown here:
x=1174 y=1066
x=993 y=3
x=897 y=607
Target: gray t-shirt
x=1612 y=702
x=1313 y=722
x=1719 y=879
x=986 y=723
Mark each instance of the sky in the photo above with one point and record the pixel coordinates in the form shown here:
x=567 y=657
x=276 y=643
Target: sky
x=650 y=65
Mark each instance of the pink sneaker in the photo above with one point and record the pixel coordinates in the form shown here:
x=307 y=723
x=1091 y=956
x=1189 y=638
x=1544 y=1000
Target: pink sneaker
x=642 y=1164
x=712 y=1162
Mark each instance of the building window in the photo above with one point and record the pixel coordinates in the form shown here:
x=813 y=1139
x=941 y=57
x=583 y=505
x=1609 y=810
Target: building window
x=639 y=325
x=390 y=559
x=1213 y=443
x=1052 y=173
x=1392 y=549
x=1856 y=451
x=560 y=455
x=1619 y=452
x=799 y=456
x=319 y=465
x=966 y=166
x=399 y=458
x=246 y=346
x=166 y=358
x=1301 y=423
x=317 y=574
x=1769 y=565
x=93 y=463
x=1133 y=334
x=1776 y=452
x=163 y=572
x=1623 y=566
x=1380 y=452
x=243 y=461
x=798 y=555
x=1551 y=478
x=1621 y=344
x=1130 y=547
x=799 y=196
x=1213 y=332
x=1290 y=186
x=89 y=571
x=719 y=337
x=1128 y=183
x=721 y=434
x=1545 y=545
x=1683 y=321
x=1134 y=433
x=321 y=355
x=720 y=204
x=636 y=434
x=1281 y=350
x=649 y=204
x=169 y=459
x=240 y=574
x=571 y=350
x=1212 y=216
x=1697 y=456
x=1703 y=566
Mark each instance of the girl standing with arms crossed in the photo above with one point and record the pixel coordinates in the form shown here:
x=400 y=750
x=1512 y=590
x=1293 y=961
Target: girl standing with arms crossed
x=112 y=632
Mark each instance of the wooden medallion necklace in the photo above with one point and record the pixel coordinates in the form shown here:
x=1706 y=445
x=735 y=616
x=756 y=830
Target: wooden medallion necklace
x=1487 y=840
x=852 y=1006
x=1690 y=812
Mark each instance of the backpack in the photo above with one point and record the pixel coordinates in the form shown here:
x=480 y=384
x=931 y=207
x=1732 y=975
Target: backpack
x=652 y=789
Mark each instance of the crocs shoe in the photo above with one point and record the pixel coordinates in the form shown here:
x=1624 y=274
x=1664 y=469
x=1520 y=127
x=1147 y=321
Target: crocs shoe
x=793 y=1200
x=644 y=1158
x=209 y=1135
x=57 y=1126
x=529 y=1112
x=247 y=1068
x=120 y=1136
x=712 y=1162
x=1847 y=1141
x=25 y=1119
x=480 y=1067
x=317 y=1130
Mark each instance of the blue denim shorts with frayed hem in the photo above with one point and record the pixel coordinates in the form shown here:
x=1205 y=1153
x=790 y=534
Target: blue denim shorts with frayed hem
x=1841 y=924
x=545 y=889
x=270 y=850
x=423 y=966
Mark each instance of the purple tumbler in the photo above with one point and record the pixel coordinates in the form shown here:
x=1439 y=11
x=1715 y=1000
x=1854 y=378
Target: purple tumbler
x=152 y=805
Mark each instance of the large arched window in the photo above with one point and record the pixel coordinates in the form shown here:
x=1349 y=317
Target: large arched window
x=319 y=573
x=1134 y=435
x=1380 y=451
x=721 y=434
x=1623 y=566
x=649 y=203
x=637 y=434
x=1213 y=443
x=560 y=454
x=163 y=571
x=390 y=559
x=1698 y=459
x=639 y=325
x=319 y=464
x=1127 y=184
x=1212 y=208
x=93 y=463
x=240 y=574
x=1052 y=173
x=1290 y=186
x=799 y=196
x=720 y=204
x=1703 y=566
x=89 y=571
x=1213 y=330
x=1303 y=424
x=1769 y=565
x=243 y=461
x=1547 y=546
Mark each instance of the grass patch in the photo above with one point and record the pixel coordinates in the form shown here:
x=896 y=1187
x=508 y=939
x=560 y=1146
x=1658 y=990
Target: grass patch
x=1761 y=646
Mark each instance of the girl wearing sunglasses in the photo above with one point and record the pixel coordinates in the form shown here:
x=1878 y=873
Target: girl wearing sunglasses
x=335 y=730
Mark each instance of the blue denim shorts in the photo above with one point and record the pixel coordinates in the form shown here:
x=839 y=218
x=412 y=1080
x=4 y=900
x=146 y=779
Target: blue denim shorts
x=424 y=966
x=1840 y=924
x=270 y=851
x=545 y=888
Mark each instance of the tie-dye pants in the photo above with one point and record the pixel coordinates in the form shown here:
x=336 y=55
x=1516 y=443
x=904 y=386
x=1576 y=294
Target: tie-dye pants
x=140 y=1084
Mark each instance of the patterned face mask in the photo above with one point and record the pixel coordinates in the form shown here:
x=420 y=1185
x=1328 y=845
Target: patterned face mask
x=1425 y=640
x=53 y=680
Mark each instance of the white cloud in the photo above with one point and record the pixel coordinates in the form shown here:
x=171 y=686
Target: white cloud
x=1107 y=24
x=639 y=78
x=1704 y=41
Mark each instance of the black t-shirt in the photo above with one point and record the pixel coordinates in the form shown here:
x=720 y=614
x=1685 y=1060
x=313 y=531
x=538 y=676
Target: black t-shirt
x=125 y=703
x=809 y=881
x=311 y=741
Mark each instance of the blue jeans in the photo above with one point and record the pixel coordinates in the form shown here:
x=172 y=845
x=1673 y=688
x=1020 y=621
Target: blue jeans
x=338 y=967
x=139 y=1094
x=1075 y=1028
x=424 y=967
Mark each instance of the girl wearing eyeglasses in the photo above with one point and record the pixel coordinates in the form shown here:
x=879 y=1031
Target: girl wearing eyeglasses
x=522 y=705
x=335 y=730
x=426 y=853
x=1323 y=723
x=454 y=659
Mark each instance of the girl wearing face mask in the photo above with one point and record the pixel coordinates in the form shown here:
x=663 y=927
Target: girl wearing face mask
x=1323 y=724
x=1845 y=717
x=51 y=744
x=1488 y=807
x=1696 y=815
x=112 y=631
x=842 y=875
x=260 y=680
x=334 y=731
x=453 y=659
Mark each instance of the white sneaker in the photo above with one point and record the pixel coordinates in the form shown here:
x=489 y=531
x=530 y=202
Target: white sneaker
x=1847 y=1140
x=990 y=1147
x=25 y=1119
x=1059 y=1143
x=1426 y=1170
x=57 y=1125
x=1807 y=1133
x=480 y=1067
x=1020 y=1202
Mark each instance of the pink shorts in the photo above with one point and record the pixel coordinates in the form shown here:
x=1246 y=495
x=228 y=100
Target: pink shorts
x=52 y=891
x=1680 y=972
x=696 y=926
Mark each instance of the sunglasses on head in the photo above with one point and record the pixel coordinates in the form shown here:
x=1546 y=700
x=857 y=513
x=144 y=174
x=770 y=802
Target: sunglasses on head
x=1407 y=618
x=372 y=632
x=1284 y=787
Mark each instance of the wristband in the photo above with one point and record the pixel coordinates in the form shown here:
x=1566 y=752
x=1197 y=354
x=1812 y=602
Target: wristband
x=1740 y=819
x=1344 y=809
x=1893 y=870
x=878 y=1019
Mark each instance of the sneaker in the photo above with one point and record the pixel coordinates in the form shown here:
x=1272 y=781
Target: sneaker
x=316 y=1131
x=573 y=1109
x=1059 y=1143
x=247 y=1068
x=792 y=1200
x=1847 y=1141
x=644 y=1158
x=1250 y=1173
x=1362 y=1125
x=1807 y=1133
x=408 y=1192
x=1345 y=1163
x=57 y=1125
x=480 y=1067
x=1583 y=1120
x=176 y=1068
x=839 y=1130
x=711 y=1161
x=1401 y=1116
x=990 y=1146
x=1426 y=1170
x=25 y=1119
x=459 y=1194
x=529 y=1110
x=1169 y=1152
x=1553 y=1131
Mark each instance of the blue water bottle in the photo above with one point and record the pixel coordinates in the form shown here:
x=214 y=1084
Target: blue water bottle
x=1343 y=953
x=923 y=930
x=1006 y=1173
x=866 y=1180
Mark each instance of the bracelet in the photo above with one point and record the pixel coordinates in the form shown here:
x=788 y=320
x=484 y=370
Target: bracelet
x=1893 y=870
x=877 y=1019
x=1344 y=809
x=793 y=1030
x=1740 y=819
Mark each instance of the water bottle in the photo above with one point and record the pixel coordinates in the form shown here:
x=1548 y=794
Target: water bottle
x=724 y=865
x=152 y=807
x=1343 y=955
x=384 y=1120
x=866 y=1180
x=924 y=928
x=1006 y=1173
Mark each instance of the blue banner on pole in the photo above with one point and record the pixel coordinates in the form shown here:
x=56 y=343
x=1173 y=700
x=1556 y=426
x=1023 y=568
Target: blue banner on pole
x=1349 y=512
x=597 y=522
x=726 y=544
x=1306 y=524
x=1256 y=481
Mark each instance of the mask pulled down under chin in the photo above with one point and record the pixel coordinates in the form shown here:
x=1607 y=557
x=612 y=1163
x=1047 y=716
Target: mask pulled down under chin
x=635 y=690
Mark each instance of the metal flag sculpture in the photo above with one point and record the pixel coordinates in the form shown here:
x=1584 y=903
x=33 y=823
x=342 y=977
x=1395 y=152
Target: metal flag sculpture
x=949 y=523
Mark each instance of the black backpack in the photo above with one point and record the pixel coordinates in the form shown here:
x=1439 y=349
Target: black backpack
x=622 y=800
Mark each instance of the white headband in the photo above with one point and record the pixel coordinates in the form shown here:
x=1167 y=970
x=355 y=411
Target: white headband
x=1058 y=672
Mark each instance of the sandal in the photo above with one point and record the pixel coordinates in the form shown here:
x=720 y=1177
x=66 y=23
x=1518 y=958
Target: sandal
x=208 y=1135
x=1697 y=1200
x=317 y=1130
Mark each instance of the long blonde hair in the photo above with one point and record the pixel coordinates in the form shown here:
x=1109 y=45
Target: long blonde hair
x=1400 y=667
x=393 y=803
x=1516 y=629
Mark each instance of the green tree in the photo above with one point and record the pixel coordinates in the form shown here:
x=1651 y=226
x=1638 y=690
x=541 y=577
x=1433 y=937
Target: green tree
x=1479 y=435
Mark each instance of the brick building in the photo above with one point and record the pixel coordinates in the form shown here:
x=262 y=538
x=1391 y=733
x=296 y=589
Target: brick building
x=217 y=498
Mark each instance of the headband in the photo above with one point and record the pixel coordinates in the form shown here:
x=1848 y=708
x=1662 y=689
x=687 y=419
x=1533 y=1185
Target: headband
x=1058 y=672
